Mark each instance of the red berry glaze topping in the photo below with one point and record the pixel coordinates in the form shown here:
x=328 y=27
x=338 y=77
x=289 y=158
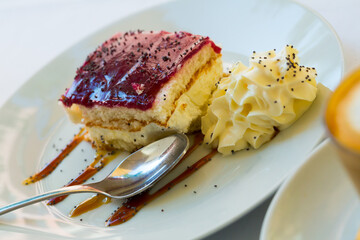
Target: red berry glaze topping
x=130 y=69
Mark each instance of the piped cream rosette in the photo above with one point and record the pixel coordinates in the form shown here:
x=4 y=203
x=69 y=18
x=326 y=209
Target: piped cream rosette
x=253 y=103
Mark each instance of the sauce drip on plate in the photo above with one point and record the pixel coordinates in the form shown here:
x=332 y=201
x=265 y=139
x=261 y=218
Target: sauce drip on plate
x=54 y=163
x=98 y=200
x=133 y=204
x=89 y=204
x=101 y=160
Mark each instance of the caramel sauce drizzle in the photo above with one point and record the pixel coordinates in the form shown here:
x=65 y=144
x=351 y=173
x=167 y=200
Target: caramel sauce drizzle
x=78 y=138
x=98 y=200
x=89 y=204
x=101 y=160
x=134 y=204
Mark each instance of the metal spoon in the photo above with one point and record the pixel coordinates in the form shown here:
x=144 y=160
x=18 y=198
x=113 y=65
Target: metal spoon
x=136 y=173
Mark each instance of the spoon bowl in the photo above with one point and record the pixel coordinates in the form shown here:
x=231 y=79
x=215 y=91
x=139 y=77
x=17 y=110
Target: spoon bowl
x=133 y=175
x=143 y=168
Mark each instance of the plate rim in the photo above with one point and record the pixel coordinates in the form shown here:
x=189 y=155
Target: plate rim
x=286 y=185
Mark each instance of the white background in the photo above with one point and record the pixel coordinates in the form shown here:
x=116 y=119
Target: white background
x=33 y=32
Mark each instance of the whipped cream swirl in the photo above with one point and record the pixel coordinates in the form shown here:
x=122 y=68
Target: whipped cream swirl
x=253 y=103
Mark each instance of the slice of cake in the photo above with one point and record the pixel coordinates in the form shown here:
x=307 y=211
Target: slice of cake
x=137 y=86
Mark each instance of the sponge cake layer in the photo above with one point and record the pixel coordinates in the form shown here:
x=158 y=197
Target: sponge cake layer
x=122 y=94
x=185 y=117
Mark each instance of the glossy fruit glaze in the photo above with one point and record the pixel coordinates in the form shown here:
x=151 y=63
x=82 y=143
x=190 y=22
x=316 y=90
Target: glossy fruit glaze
x=130 y=68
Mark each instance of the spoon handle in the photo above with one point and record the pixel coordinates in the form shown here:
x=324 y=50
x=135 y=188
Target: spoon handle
x=48 y=195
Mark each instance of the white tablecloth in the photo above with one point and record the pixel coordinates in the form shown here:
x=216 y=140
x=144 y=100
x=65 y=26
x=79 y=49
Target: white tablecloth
x=35 y=31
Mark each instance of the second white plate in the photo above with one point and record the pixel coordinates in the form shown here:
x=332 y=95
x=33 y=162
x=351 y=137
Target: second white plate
x=317 y=202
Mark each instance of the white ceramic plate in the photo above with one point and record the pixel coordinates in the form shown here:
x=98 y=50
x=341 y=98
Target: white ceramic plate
x=31 y=122
x=318 y=201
